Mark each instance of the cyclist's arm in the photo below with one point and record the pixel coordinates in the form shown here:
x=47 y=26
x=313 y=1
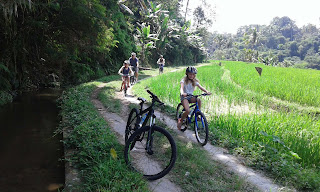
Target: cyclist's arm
x=181 y=90
x=130 y=71
x=120 y=70
x=203 y=89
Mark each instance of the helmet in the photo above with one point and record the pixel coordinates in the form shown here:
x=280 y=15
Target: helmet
x=191 y=69
x=126 y=62
x=133 y=54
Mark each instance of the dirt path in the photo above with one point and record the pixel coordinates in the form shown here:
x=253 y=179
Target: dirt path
x=117 y=124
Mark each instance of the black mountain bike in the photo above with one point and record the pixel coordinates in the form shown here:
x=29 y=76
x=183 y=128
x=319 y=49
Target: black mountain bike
x=198 y=119
x=149 y=149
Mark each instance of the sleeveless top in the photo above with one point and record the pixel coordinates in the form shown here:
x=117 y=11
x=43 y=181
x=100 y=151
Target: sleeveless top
x=133 y=62
x=188 y=88
x=125 y=71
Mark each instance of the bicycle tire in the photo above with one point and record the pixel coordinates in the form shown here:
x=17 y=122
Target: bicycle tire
x=132 y=80
x=132 y=123
x=201 y=128
x=179 y=112
x=125 y=89
x=160 y=162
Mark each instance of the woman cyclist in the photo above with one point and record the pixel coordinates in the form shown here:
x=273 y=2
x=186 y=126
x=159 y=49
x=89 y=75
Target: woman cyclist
x=161 y=62
x=187 y=86
x=125 y=72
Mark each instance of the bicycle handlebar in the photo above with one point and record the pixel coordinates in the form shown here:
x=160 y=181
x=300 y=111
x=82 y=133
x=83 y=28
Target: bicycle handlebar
x=124 y=75
x=203 y=94
x=154 y=97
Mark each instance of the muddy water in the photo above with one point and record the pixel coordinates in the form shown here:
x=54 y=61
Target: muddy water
x=29 y=151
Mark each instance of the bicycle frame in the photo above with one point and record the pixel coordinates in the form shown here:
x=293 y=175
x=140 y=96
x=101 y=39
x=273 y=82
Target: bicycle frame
x=150 y=115
x=196 y=109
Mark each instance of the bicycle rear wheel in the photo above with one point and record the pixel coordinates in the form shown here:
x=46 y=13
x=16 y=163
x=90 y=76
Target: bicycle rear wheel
x=201 y=128
x=179 y=113
x=159 y=160
x=132 y=123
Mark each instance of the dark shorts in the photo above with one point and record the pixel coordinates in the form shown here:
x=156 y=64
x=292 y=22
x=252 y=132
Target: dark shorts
x=187 y=97
x=135 y=69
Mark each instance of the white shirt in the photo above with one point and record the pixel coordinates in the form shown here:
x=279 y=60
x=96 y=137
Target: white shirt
x=188 y=88
x=163 y=61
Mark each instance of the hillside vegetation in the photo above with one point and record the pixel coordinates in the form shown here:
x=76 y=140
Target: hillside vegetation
x=281 y=43
x=277 y=128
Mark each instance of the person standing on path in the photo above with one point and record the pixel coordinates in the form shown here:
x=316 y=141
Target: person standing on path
x=134 y=62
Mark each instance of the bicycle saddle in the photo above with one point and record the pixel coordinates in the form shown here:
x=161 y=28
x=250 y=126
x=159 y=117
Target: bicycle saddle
x=141 y=99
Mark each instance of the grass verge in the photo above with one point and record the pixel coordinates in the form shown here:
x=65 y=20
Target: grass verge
x=97 y=154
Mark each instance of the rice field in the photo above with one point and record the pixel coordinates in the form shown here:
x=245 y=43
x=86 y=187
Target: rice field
x=295 y=85
x=287 y=143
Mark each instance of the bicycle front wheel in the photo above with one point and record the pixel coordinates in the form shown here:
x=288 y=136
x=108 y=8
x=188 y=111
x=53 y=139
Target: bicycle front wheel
x=153 y=158
x=201 y=128
x=132 y=123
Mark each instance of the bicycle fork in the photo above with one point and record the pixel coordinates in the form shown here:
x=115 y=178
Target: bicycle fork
x=150 y=135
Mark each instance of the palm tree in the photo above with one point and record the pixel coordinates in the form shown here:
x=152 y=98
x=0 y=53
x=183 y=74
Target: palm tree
x=10 y=7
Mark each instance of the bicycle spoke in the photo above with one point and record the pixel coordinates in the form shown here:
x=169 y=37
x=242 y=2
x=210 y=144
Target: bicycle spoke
x=133 y=120
x=201 y=128
x=159 y=161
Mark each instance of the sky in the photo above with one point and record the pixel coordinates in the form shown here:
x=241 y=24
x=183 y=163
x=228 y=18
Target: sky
x=231 y=14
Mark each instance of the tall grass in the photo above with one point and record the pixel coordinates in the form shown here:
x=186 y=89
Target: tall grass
x=286 y=144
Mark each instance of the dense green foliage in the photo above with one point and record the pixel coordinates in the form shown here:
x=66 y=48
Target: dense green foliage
x=70 y=42
x=76 y=40
x=96 y=152
x=280 y=43
x=281 y=140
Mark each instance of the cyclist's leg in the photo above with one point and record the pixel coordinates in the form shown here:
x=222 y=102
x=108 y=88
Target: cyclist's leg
x=185 y=104
x=199 y=103
x=122 y=84
x=193 y=100
x=127 y=81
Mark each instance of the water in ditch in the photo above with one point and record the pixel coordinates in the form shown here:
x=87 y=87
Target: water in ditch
x=30 y=152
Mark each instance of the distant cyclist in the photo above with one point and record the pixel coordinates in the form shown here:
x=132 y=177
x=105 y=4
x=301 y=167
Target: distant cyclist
x=161 y=62
x=187 y=86
x=134 y=62
x=125 y=72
